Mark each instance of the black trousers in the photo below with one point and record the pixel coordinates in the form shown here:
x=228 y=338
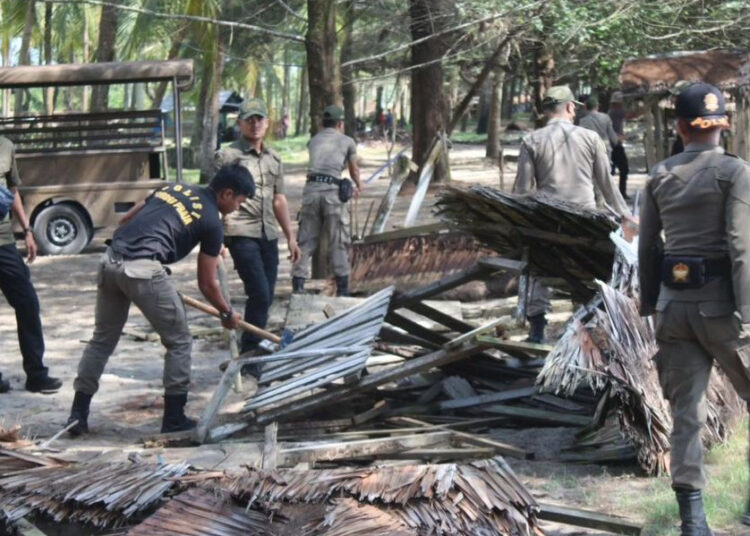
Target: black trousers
x=257 y=262
x=620 y=161
x=15 y=282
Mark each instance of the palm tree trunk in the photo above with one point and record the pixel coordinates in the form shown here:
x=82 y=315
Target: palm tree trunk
x=24 y=56
x=105 y=52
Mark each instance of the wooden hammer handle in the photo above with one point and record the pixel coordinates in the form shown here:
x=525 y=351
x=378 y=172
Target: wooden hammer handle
x=255 y=330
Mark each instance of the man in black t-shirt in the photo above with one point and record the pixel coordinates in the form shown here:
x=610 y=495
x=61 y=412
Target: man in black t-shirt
x=161 y=230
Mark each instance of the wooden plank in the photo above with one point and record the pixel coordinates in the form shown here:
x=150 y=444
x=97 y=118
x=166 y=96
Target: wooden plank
x=490 y=398
x=588 y=519
x=502 y=264
x=515 y=347
x=440 y=317
x=406 y=232
x=373 y=381
x=378 y=409
x=425 y=176
x=363 y=448
x=471 y=335
x=538 y=415
x=389 y=199
x=446 y=283
x=457 y=387
x=502 y=448
x=413 y=328
x=270 y=447
x=25 y=528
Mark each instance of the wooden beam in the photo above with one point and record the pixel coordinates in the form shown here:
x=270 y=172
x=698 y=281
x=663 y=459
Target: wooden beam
x=446 y=283
x=382 y=446
x=451 y=322
x=538 y=415
x=270 y=447
x=471 y=335
x=588 y=519
x=415 y=329
x=407 y=232
x=490 y=398
x=474 y=439
x=371 y=382
x=389 y=199
x=501 y=264
x=516 y=347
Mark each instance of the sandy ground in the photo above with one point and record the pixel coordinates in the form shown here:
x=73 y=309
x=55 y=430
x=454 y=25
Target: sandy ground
x=128 y=405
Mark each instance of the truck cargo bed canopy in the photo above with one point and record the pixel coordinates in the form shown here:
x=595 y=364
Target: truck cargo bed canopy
x=74 y=74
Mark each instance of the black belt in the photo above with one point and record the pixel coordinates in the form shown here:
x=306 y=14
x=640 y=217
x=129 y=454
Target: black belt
x=325 y=179
x=681 y=272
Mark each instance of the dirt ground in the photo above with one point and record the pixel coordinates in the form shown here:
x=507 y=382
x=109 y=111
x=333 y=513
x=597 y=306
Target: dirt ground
x=128 y=405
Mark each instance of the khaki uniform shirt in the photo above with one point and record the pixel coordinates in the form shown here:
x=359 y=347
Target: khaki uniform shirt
x=255 y=217
x=330 y=152
x=700 y=199
x=602 y=125
x=10 y=179
x=567 y=162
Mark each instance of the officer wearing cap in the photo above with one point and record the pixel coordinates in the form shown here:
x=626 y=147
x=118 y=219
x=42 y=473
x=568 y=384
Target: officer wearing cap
x=694 y=257
x=567 y=162
x=619 y=157
x=324 y=200
x=251 y=233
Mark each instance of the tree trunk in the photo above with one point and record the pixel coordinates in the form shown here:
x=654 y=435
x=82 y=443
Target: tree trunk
x=174 y=53
x=86 y=51
x=348 y=88
x=285 y=90
x=427 y=98
x=484 y=108
x=300 y=127
x=322 y=63
x=211 y=113
x=544 y=75
x=48 y=92
x=105 y=52
x=507 y=96
x=24 y=56
x=493 y=127
x=378 y=109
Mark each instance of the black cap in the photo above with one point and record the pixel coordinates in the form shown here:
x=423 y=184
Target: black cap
x=702 y=105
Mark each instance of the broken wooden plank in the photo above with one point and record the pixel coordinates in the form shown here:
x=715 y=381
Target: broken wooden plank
x=588 y=519
x=500 y=447
x=458 y=387
x=551 y=418
x=270 y=447
x=449 y=321
x=433 y=289
x=389 y=199
x=362 y=448
x=480 y=400
x=368 y=383
x=502 y=264
x=471 y=335
x=414 y=328
x=378 y=409
x=406 y=232
x=425 y=176
x=515 y=347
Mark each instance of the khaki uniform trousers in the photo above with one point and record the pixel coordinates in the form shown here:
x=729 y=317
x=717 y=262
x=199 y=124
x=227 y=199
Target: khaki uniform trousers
x=323 y=212
x=539 y=298
x=690 y=336
x=145 y=283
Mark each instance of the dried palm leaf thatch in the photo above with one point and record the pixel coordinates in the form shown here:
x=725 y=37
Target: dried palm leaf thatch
x=564 y=240
x=478 y=498
x=411 y=261
x=101 y=494
x=200 y=512
x=609 y=347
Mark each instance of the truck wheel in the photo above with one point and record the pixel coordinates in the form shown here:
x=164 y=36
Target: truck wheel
x=61 y=230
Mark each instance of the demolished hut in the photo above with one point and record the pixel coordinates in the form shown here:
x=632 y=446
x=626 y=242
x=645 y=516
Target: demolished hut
x=607 y=347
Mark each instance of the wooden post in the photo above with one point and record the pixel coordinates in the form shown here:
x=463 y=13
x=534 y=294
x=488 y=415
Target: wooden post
x=648 y=140
x=659 y=130
x=741 y=123
x=523 y=290
x=389 y=199
x=270 y=447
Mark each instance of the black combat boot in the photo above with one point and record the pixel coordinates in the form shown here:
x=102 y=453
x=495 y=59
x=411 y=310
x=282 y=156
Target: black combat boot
x=80 y=412
x=342 y=285
x=298 y=285
x=691 y=512
x=537 y=324
x=4 y=385
x=174 y=415
x=45 y=385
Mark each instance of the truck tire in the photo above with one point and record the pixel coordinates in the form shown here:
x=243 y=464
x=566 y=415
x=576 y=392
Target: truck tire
x=61 y=229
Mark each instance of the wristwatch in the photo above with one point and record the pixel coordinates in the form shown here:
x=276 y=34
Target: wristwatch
x=226 y=315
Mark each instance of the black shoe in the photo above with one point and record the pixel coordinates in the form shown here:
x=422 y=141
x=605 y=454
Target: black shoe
x=692 y=516
x=298 y=285
x=537 y=325
x=46 y=385
x=342 y=285
x=4 y=386
x=79 y=411
x=174 y=415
